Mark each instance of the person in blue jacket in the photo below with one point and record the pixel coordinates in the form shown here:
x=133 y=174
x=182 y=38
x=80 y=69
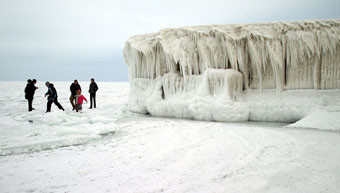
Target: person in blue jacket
x=52 y=97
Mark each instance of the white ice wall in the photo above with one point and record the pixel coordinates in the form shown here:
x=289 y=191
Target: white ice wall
x=190 y=62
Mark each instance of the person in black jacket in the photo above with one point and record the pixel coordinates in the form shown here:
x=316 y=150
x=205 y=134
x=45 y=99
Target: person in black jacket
x=52 y=97
x=73 y=88
x=29 y=93
x=92 y=90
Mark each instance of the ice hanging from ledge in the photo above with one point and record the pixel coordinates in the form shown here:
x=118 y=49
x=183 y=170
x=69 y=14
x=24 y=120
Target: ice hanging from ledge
x=214 y=63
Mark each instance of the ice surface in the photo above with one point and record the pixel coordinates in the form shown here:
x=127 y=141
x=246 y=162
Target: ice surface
x=185 y=72
x=110 y=149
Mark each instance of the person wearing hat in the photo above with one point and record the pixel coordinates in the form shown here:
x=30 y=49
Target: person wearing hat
x=52 y=97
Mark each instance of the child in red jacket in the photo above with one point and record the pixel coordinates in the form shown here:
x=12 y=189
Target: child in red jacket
x=80 y=99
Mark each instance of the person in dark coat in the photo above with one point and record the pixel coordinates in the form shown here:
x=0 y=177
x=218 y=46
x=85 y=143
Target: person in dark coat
x=73 y=88
x=92 y=90
x=29 y=93
x=52 y=97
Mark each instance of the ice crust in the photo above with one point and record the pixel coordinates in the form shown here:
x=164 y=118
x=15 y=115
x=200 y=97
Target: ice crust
x=30 y=132
x=229 y=72
x=321 y=119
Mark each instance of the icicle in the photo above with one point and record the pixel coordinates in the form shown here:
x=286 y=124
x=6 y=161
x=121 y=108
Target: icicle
x=263 y=53
x=275 y=52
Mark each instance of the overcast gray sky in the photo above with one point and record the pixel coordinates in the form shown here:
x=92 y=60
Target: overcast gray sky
x=80 y=39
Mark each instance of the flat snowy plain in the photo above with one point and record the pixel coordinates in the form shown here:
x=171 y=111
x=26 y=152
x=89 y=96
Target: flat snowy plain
x=110 y=149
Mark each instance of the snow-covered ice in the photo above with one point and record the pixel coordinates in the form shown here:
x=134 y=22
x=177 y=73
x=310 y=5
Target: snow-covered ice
x=110 y=149
x=321 y=119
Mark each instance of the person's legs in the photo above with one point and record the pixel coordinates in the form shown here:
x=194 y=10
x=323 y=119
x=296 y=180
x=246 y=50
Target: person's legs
x=49 y=103
x=58 y=104
x=79 y=107
x=91 y=98
x=30 y=104
x=94 y=100
x=72 y=100
x=76 y=102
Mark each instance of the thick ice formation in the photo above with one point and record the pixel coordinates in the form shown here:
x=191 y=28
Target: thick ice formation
x=207 y=72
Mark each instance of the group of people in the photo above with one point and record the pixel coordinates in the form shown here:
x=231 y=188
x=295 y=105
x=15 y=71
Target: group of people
x=76 y=98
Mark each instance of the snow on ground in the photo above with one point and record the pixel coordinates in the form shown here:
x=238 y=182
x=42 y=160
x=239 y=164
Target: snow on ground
x=320 y=119
x=110 y=149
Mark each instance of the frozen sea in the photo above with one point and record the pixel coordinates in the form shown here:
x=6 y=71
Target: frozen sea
x=110 y=149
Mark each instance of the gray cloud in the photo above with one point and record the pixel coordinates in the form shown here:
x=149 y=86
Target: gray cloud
x=67 y=39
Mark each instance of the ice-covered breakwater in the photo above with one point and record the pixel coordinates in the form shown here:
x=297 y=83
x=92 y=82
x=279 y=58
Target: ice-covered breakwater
x=263 y=72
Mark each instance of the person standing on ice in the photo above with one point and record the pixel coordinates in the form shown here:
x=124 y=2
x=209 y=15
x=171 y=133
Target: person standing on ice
x=52 y=97
x=80 y=99
x=73 y=88
x=29 y=93
x=92 y=90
